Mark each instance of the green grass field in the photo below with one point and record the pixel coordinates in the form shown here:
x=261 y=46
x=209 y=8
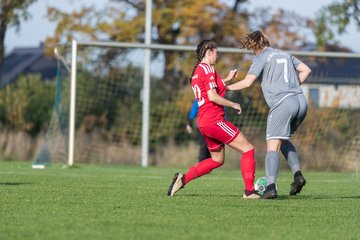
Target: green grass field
x=128 y=202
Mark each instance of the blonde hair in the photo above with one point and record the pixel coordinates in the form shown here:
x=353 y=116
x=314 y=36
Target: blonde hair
x=255 y=41
x=201 y=49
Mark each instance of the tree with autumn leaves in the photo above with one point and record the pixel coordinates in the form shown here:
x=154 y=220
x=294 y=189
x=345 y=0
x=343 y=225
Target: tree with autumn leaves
x=11 y=12
x=186 y=22
x=176 y=22
x=335 y=19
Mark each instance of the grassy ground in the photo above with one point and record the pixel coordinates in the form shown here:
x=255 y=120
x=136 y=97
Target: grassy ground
x=123 y=202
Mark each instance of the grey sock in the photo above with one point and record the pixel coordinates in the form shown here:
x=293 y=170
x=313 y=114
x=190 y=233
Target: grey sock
x=271 y=166
x=290 y=154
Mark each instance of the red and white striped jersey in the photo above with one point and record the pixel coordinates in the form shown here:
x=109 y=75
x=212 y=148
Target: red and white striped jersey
x=205 y=78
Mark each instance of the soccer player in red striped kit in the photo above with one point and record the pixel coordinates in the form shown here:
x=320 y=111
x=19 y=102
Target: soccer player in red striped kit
x=209 y=90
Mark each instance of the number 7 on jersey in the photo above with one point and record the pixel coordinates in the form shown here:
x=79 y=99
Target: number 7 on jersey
x=284 y=61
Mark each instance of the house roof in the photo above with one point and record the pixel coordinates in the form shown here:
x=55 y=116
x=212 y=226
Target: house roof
x=27 y=60
x=338 y=71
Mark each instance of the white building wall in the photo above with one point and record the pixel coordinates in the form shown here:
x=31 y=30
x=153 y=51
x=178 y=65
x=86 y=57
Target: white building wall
x=342 y=96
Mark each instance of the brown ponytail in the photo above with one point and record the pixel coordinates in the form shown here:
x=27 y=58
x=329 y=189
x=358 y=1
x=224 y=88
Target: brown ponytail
x=201 y=49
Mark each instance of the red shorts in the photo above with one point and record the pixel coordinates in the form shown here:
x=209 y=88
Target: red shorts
x=218 y=134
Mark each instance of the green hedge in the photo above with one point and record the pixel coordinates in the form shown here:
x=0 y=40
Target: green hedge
x=26 y=104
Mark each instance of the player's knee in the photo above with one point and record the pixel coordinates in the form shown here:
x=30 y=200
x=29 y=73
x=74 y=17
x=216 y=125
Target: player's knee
x=247 y=147
x=219 y=160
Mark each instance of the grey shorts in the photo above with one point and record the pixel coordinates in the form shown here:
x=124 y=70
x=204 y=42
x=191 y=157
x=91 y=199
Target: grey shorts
x=285 y=118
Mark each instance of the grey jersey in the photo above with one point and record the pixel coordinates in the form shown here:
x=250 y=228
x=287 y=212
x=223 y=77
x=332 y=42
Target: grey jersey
x=276 y=71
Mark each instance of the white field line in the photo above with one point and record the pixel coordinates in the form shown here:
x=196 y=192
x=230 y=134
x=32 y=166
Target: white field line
x=211 y=178
x=239 y=178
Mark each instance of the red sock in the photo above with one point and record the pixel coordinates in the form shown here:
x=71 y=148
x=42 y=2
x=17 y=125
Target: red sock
x=202 y=168
x=247 y=165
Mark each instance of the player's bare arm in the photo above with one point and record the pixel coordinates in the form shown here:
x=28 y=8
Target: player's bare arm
x=232 y=74
x=216 y=98
x=245 y=83
x=303 y=72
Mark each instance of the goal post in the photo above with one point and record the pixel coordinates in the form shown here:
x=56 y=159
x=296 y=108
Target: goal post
x=72 y=102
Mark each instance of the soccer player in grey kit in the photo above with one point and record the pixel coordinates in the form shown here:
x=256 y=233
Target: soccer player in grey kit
x=280 y=75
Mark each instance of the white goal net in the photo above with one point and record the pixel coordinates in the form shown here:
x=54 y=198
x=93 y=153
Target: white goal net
x=109 y=108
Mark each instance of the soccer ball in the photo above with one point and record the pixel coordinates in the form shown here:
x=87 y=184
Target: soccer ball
x=260 y=185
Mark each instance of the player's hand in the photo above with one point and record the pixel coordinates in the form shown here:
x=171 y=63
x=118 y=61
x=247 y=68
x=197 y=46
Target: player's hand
x=232 y=74
x=188 y=128
x=237 y=107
